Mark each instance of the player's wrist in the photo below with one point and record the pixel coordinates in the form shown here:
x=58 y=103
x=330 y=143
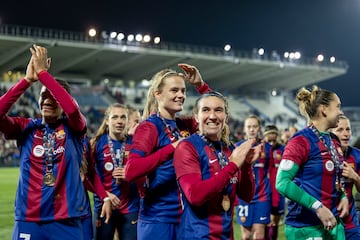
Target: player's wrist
x=316 y=205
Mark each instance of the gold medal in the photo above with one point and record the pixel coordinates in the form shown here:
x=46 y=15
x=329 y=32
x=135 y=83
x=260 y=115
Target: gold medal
x=49 y=179
x=225 y=202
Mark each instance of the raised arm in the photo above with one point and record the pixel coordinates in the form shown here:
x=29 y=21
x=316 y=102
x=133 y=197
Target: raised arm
x=40 y=63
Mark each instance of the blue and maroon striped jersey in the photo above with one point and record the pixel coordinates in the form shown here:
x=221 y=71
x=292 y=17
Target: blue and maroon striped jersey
x=316 y=175
x=352 y=157
x=126 y=191
x=275 y=159
x=261 y=168
x=206 y=184
x=35 y=201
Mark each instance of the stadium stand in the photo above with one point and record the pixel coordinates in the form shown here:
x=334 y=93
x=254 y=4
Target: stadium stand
x=96 y=66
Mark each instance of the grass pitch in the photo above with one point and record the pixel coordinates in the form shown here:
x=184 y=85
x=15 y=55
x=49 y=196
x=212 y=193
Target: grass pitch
x=8 y=183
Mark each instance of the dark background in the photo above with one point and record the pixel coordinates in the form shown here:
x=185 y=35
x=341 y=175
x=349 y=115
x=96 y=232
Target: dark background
x=330 y=27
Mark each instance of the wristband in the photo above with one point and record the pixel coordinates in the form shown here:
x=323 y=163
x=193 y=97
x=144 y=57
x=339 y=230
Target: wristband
x=316 y=205
x=106 y=199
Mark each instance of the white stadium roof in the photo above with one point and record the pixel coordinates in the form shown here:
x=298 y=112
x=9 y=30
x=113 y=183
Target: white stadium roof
x=77 y=56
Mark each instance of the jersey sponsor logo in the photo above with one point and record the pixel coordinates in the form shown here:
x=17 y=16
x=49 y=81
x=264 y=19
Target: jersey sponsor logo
x=212 y=160
x=38 y=150
x=329 y=165
x=286 y=164
x=109 y=166
x=60 y=149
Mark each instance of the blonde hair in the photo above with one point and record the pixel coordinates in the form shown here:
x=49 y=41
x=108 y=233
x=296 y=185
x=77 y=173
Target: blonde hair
x=157 y=84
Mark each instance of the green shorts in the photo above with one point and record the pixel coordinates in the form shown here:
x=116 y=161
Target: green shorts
x=315 y=233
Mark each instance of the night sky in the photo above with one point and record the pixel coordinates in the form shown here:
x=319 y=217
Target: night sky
x=330 y=27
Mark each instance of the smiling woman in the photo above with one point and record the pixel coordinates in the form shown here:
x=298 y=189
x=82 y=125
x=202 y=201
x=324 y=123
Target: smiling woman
x=51 y=154
x=152 y=151
x=211 y=172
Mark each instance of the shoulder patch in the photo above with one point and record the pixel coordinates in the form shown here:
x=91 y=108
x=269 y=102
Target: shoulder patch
x=286 y=164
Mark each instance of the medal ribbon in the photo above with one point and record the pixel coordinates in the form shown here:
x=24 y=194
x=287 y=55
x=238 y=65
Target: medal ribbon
x=118 y=158
x=340 y=180
x=49 y=145
x=218 y=154
x=172 y=133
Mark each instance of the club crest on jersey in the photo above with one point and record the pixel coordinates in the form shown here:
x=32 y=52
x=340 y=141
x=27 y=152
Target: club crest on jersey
x=126 y=154
x=184 y=133
x=277 y=156
x=329 y=165
x=262 y=155
x=38 y=151
x=60 y=134
x=109 y=166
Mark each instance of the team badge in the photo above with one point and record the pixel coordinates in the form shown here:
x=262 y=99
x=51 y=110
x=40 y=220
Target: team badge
x=126 y=155
x=109 y=166
x=60 y=134
x=277 y=156
x=329 y=165
x=184 y=133
x=38 y=151
x=262 y=155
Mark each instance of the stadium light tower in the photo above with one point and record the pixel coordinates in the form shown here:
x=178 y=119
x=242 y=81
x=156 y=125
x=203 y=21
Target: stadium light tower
x=320 y=58
x=120 y=36
x=157 y=40
x=113 y=35
x=332 y=59
x=130 y=37
x=92 y=32
x=147 y=38
x=227 y=47
x=261 y=51
x=139 y=37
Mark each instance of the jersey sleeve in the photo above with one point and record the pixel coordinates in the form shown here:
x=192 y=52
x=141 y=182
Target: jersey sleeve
x=92 y=180
x=144 y=156
x=188 y=173
x=295 y=154
x=76 y=119
x=12 y=127
x=246 y=184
